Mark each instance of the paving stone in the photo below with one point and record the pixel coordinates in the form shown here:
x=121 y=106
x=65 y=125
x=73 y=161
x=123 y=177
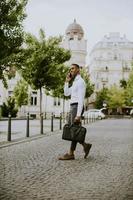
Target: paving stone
x=32 y=171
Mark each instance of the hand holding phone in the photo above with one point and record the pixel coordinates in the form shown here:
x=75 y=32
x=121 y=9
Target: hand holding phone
x=68 y=77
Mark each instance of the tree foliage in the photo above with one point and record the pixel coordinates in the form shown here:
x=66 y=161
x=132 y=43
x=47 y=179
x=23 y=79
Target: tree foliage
x=21 y=93
x=129 y=90
x=101 y=97
x=116 y=97
x=9 y=108
x=123 y=83
x=12 y=14
x=89 y=86
x=59 y=90
x=42 y=62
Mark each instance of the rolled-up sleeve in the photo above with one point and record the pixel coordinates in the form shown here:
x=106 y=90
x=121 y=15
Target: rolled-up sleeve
x=81 y=96
x=67 y=90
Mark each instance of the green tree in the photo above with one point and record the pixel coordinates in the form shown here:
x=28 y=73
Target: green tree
x=9 y=108
x=129 y=90
x=123 y=83
x=101 y=97
x=11 y=34
x=116 y=97
x=89 y=86
x=21 y=93
x=42 y=62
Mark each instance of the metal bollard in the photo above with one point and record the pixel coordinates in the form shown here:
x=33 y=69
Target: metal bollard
x=87 y=119
x=60 y=121
x=41 y=130
x=84 y=119
x=52 y=122
x=9 y=128
x=27 y=127
x=45 y=115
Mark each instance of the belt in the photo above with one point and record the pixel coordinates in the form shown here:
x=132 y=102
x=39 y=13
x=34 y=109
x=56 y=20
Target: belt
x=72 y=104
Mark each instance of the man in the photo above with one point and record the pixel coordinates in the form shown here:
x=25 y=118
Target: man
x=77 y=93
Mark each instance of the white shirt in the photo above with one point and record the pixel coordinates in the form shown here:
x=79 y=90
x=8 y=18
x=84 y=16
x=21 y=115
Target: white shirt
x=77 y=92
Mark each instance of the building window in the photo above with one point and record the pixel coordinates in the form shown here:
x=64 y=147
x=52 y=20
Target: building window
x=57 y=101
x=10 y=93
x=34 y=92
x=33 y=101
x=115 y=57
x=54 y=101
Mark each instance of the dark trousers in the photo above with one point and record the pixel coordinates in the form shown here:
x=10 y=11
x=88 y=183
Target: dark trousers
x=71 y=117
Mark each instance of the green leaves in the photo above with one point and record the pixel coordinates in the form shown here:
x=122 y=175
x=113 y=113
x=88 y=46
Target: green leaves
x=101 y=97
x=43 y=61
x=116 y=97
x=21 y=93
x=11 y=32
x=129 y=90
x=89 y=86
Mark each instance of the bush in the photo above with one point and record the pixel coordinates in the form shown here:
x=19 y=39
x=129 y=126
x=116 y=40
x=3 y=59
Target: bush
x=9 y=108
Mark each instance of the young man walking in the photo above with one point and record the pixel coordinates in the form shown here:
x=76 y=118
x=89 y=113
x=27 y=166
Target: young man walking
x=77 y=93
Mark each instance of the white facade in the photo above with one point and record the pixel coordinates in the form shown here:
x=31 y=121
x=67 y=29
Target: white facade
x=74 y=41
x=110 y=61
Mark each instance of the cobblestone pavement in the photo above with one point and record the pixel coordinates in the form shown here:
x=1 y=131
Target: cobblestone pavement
x=31 y=170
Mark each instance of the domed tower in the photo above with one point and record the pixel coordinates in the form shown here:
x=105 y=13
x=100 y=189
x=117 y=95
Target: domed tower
x=75 y=42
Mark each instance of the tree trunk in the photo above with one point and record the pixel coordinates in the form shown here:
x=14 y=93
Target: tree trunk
x=63 y=109
x=41 y=114
x=40 y=101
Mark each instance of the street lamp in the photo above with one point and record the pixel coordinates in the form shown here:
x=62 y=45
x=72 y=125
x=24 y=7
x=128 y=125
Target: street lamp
x=104 y=104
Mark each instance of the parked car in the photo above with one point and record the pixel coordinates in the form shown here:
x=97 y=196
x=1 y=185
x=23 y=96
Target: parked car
x=94 y=113
x=131 y=112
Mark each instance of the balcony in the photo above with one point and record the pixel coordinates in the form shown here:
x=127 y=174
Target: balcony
x=125 y=69
x=104 y=80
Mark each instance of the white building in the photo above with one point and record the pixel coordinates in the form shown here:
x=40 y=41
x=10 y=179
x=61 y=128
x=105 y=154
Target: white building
x=110 y=61
x=75 y=42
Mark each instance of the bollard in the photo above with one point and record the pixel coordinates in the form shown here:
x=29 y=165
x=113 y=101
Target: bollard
x=63 y=117
x=60 y=121
x=9 y=128
x=87 y=119
x=45 y=115
x=27 y=128
x=52 y=119
x=41 y=130
x=84 y=119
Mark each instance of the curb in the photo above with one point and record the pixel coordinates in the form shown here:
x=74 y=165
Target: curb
x=24 y=140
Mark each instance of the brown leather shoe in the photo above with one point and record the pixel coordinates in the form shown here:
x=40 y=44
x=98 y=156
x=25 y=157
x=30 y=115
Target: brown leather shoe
x=87 y=149
x=67 y=157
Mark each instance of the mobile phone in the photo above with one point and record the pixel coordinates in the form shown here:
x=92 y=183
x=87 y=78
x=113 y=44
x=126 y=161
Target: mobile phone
x=70 y=75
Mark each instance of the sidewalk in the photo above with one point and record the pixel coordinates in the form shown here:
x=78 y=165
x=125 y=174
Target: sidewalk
x=18 y=129
x=31 y=170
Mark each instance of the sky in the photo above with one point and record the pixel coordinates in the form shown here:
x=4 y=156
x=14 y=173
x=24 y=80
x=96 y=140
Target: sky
x=97 y=18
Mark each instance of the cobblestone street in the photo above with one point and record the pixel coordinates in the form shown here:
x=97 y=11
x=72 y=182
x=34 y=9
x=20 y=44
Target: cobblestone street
x=31 y=170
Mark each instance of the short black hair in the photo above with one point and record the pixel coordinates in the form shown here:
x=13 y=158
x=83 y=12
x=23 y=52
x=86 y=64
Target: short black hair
x=76 y=65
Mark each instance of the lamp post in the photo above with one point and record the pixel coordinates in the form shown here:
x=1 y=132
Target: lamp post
x=104 y=104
